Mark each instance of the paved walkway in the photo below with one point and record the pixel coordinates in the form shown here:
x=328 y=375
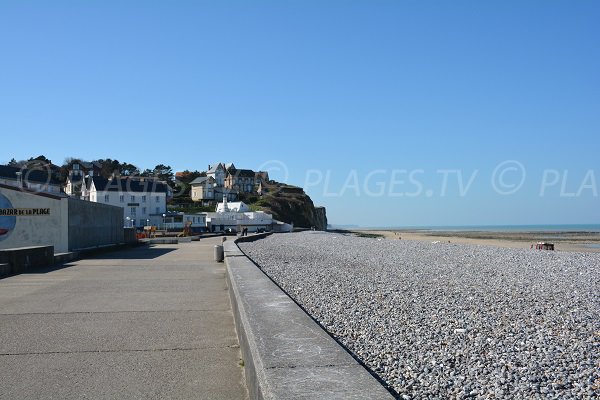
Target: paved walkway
x=138 y=324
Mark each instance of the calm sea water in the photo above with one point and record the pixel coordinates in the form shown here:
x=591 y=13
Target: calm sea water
x=499 y=228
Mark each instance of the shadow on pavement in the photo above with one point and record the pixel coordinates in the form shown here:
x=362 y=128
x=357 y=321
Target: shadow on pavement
x=45 y=270
x=140 y=253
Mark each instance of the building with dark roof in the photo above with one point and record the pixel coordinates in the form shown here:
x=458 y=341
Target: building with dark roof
x=36 y=179
x=243 y=180
x=144 y=200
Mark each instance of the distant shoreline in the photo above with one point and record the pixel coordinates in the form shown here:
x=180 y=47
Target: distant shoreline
x=566 y=228
x=579 y=241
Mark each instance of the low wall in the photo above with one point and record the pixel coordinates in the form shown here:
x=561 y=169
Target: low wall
x=287 y=355
x=94 y=224
x=129 y=235
x=22 y=259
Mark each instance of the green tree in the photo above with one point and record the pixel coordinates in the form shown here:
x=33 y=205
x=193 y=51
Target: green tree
x=164 y=173
x=41 y=158
x=128 y=169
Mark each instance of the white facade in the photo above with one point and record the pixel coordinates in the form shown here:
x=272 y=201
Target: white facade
x=227 y=217
x=217 y=172
x=140 y=208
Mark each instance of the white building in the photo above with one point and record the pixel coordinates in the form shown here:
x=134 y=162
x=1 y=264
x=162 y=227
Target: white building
x=144 y=200
x=77 y=172
x=218 y=173
x=227 y=218
x=237 y=206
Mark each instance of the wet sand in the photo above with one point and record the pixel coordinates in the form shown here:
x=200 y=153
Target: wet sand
x=563 y=241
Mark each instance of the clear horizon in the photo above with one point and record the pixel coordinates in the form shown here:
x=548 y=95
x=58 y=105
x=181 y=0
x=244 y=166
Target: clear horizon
x=387 y=113
x=490 y=228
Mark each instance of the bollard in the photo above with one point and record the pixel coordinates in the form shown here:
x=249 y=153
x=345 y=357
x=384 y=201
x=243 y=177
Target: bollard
x=218 y=253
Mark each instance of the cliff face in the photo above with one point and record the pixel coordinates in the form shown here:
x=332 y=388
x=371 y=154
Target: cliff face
x=291 y=205
x=321 y=215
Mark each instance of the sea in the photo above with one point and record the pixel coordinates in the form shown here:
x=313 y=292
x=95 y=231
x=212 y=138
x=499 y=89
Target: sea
x=496 y=228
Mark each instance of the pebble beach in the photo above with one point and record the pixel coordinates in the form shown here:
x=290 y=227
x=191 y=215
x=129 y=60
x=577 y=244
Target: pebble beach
x=448 y=320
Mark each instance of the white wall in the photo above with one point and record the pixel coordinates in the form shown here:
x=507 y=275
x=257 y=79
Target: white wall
x=218 y=176
x=233 y=219
x=38 y=230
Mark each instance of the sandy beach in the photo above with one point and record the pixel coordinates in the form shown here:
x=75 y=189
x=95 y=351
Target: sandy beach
x=564 y=241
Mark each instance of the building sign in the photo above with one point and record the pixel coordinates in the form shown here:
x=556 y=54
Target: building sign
x=133 y=204
x=23 y=212
x=7 y=222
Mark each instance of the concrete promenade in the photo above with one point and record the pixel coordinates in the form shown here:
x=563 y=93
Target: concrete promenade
x=137 y=324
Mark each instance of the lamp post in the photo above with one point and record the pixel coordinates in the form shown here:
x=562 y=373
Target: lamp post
x=128 y=223
x=164 y=222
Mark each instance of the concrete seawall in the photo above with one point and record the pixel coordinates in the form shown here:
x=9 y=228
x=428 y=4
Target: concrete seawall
x=28 y=259
x=23 y=259
x=286 y=354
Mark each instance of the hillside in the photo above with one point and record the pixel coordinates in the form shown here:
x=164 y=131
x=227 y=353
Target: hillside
x=291 y=205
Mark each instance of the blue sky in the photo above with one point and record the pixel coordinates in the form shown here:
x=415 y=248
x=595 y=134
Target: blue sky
x=351 y=96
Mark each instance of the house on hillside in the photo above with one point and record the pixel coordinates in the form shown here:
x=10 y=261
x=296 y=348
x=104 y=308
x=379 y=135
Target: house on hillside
x=217 y=172
x=242 y=180
x=203 y=189
x=262 y=177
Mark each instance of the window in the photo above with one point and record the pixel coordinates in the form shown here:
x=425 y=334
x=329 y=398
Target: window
x=132 y=199
x=157 y=210
x=157 y=199
x=143 y=199
x=106 y=198
x=133 y=211
x=143 y=210
x=122 y=199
